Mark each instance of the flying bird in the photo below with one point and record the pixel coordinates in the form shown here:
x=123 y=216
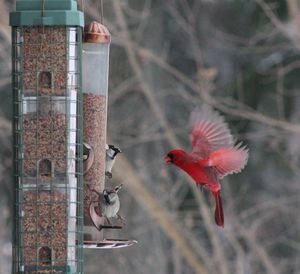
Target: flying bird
x=214 y=154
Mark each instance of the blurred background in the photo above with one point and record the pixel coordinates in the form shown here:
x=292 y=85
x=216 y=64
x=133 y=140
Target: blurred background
x=242 y=57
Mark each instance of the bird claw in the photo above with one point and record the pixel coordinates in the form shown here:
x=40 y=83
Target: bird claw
x=108 y=174
x=108 y=220
x=123 y=221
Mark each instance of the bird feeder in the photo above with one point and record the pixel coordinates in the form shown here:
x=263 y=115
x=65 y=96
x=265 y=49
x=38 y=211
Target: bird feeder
x=95 y=62
x=47 y=127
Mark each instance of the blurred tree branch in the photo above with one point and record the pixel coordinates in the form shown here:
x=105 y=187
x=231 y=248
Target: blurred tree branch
x=124 y=34
x=157 y=111
x=144 y=197
x=292 y=33
x=244 y=112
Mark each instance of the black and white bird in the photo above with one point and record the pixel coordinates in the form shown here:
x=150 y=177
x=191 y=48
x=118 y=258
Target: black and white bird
x=111 y=153
x=108 y=204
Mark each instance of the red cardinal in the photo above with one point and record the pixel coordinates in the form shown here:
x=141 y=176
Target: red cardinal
x=214 y=154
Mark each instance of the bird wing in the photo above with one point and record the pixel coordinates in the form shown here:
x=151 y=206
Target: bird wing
x=229 y=160
x=209 y=131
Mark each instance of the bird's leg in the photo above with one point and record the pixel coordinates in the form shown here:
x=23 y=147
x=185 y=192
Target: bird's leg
x=121 y=218
x=108 y=174
x=107 y=220
x=215 y=187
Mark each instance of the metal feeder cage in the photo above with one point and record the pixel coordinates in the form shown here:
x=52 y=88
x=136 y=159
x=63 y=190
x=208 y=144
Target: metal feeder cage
x=48 y=132
x=60 y=87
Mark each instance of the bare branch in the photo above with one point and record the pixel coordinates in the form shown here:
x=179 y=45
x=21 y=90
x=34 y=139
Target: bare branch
x=144 y=197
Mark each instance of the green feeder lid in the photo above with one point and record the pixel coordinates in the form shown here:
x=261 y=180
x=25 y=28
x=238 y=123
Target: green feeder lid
x=46 y=13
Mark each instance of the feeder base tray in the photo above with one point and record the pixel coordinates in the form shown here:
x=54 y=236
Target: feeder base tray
x=108 y=244
x=47 y=269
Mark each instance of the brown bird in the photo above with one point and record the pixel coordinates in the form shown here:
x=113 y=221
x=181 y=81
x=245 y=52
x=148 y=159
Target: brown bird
x=108 y=205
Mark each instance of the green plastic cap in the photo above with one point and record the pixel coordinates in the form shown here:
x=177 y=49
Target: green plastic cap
x=46 y=13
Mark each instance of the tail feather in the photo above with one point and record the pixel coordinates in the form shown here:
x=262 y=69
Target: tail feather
x=219 y=214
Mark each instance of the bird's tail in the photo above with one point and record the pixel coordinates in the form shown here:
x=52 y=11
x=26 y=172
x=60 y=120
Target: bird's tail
x=219 y=214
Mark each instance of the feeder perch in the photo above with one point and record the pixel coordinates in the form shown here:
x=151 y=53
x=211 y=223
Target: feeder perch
x=47 y=131
x=88 y=157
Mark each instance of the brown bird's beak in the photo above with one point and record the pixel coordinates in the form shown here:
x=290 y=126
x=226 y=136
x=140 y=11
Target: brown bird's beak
x=117 y=188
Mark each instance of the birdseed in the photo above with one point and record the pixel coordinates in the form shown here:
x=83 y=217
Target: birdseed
x=45 y=224
x=94 y=129
x=45 y=138
x=44 y=51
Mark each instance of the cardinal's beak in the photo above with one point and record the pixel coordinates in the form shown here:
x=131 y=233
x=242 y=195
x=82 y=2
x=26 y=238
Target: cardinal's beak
x=167 y=159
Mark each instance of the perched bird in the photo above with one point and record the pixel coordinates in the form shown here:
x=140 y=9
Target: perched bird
x=111 y=153
x=214 y=154
x=108 y=204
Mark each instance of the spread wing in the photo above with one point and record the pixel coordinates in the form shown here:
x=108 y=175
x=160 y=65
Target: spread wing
x=209 y=131
x=227 y=161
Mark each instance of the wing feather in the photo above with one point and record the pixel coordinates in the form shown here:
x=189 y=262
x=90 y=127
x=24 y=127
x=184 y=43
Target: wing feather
x=209 y=131
x=229 y=160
